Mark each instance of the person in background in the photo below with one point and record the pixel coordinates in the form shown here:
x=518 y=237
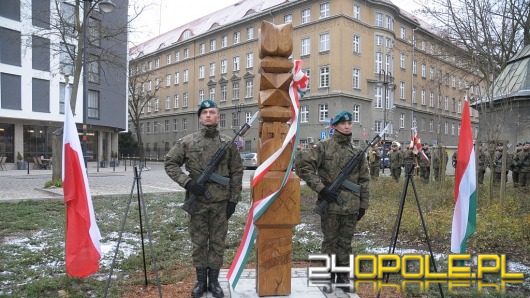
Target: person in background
x=425 y=164
x=395 y=157
x=454 y=158
x=410 y=160
x=439 y=162
x=208 y=224
x=497 y=161
x=524 y=172
x=483 y=162
x=514 y=166
x=374 y=161
x=319 y=169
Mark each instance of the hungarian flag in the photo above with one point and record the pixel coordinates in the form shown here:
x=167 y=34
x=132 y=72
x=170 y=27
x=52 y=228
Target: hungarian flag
x=83 y=249
x=465 y=213
x=415 y=142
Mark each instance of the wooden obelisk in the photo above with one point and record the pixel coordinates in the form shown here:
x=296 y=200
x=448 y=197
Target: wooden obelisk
x=274 y=236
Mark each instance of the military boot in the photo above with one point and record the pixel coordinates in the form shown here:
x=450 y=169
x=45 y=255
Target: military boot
x=344 y=279
x=200 y=286
x=213 y=283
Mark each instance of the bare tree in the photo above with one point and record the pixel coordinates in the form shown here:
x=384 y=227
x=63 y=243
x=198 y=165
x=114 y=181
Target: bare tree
x=140 y=95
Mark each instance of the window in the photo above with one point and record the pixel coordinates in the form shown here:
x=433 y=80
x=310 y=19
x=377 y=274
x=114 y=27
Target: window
x=93 y=104
x=446 y=106
x=403 y=32
x=446 y=128
x=250 y=33
x=222 y=120
x=431 y=73
x=236 y=63
x=186 y=75
x=201 y=95
x=235 y=119
x=423 y=102
x=324 y=10
x=212 y=93
x=431 y=125
x=224 y=41
x=148 y=127
x=356 y=11
x=249 y=89
x=304 y=114
x=356 y=44
x=402 y=120
x=185 y=99
x=150 y=65
x=248 y=116
x=184 y=124
x=202 y=48
x=149 y=86
x=402 y=60
x=378 y=40
x=454 y=105
x=212 y=69
x=157 y=83
x=423 y=45
x=431 y=99
x=460 y=107
x=201 y=71
x=168 y=102
x=356 y=113
x=324 y=42
x=306 y=15
x=414 y=67
x=177 y=56
x=175 y=124
x=149 y=106
x=322 y=112
x=378 y=97
x=224 y=66
x=306 y=46
x=186 y=53
x=432 y=48
x=186 y=35
x=235 y=91
x=176 y=102
x=378 y=62
x=379 y=19
x=288 y=18
x=423 y=70
x=66 y=62
x=378 y=126
x=453 y=129
x=213 y=44
x=168 y=59
x=307 y=72
x=177 y=77
x=237 y=37
x=157 y=63
x=223 y=93
x=250 y=60
x=356 y=78
x=413 y=94
x=402 y=90
x=324 y=77
x=388 y=43
x=168 y=80
x=156 y=104
x=389 y=23
x=453 y=81
x=93 y=69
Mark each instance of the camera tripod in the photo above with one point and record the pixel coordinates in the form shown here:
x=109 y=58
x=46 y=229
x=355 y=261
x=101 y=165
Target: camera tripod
x=141 y=207
x=409 y=170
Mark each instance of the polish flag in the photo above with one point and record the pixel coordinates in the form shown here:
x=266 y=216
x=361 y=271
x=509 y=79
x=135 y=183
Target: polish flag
x=415 y=142
x=83 y=248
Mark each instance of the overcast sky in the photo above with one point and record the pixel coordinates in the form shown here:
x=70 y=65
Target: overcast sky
x=161 y=16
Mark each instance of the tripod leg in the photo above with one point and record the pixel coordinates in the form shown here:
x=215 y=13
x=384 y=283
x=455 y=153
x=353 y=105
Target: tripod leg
x=141 y=202
x=427 y=239
x=119 y=239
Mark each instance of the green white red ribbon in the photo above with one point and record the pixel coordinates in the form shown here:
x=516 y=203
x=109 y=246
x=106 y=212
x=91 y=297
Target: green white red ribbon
x=297 y=89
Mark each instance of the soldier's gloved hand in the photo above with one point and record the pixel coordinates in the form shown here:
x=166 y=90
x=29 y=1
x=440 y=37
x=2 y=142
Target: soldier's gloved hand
x=230 y=209
x=195 y=188
x=328 y=195
x=361 y=213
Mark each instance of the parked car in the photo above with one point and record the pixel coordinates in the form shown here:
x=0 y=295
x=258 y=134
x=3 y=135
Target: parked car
x=385 y=161
x=250 y=161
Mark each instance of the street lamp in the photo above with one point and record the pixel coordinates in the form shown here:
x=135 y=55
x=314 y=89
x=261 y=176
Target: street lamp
x=387 y=80
x=105 y=6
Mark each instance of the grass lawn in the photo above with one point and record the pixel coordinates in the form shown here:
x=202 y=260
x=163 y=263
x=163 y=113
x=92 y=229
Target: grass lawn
x=32 y=238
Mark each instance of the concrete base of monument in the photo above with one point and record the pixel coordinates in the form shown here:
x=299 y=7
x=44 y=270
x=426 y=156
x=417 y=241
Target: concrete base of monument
x=246 y=286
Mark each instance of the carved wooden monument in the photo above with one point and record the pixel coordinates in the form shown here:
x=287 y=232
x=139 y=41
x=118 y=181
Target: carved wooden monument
x=275 y=226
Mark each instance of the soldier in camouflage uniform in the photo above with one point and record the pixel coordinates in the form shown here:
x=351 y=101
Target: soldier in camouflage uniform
x=208 y=224
x=515 y=169
x=482 y=163
x=374 y=161
x=396 y=161
x=425 y=164
x=410 y=160
x=497 y=161
x=319 y=169
x=299 y=155
x=524 y=166
x=438 y=157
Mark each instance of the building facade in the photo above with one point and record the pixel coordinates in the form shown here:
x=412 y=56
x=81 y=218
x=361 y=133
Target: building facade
x=368 y=57
x=33 y=65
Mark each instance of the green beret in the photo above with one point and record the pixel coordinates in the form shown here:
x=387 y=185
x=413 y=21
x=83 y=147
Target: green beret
x=342 y=116
x=206 y=104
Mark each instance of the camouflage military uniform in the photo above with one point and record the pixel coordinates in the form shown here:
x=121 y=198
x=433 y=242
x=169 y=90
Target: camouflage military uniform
x=482 y=164
x=410 y=160
x=327 y=159
x=438 y=156
x=524 y=172
x=208 y=225
x=396 y=160
x=299 y=155
x=425 y=165
x=497 y=161
x=374 y=161
x=514 y=166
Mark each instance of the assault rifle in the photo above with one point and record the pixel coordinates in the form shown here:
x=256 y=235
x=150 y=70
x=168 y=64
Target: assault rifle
x=208 y=173
x=341 y=180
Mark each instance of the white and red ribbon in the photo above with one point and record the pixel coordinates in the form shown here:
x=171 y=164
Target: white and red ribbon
x=297 y=89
